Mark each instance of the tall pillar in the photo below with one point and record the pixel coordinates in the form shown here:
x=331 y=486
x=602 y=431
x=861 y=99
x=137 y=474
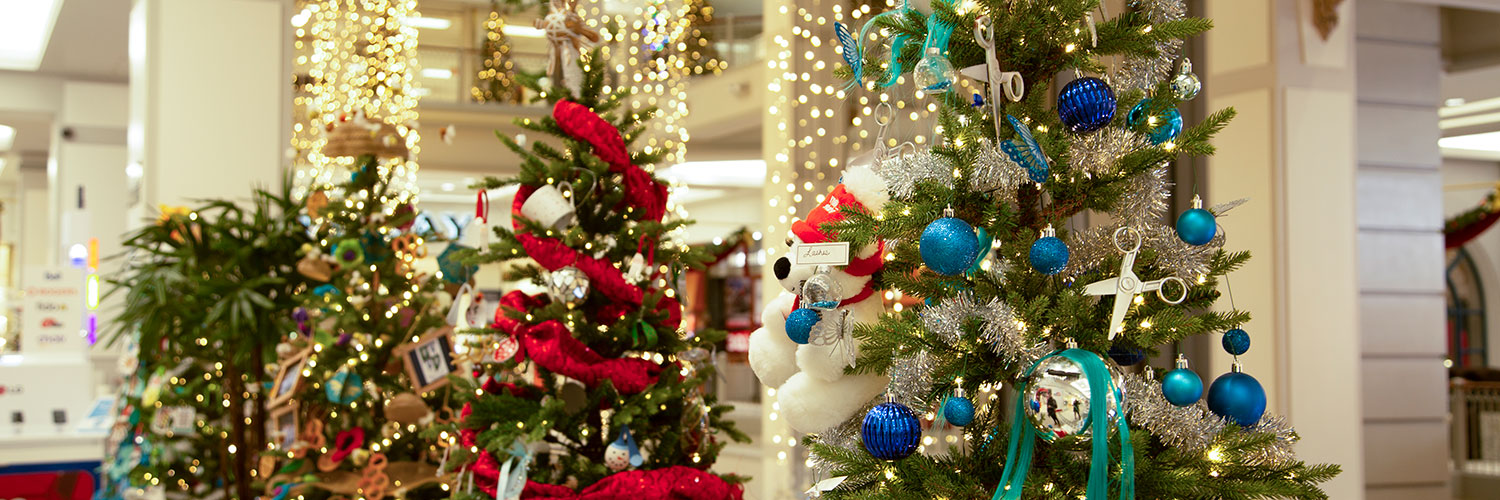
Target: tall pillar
x=209 y=99
x=1291 y=150
x=1401 y=262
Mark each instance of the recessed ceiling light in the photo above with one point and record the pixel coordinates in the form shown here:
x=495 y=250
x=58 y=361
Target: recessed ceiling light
x=434 y=23
x=1454 y=101
x=517 y=30
x=25 y=27
x=448 y=186
x=7 y=137
x=731 y=173
x=437 y=73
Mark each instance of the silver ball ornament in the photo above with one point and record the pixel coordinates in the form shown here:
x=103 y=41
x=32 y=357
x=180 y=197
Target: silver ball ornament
x=568 y=285
x=821 y=291
x=1058 y=397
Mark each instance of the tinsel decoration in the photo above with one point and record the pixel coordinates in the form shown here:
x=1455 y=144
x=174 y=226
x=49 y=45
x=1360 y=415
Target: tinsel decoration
x=1095 y=154
x=1139 y=72
x=992 y=171
x=998 y=327
x=911 y=378
x=1194 y=429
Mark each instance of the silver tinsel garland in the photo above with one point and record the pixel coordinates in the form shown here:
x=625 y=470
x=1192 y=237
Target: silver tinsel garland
x=1095 y=153
x=998 y=327
x=911 y=378
x=1146 y=72
x=1194 y=429
x=992 y=172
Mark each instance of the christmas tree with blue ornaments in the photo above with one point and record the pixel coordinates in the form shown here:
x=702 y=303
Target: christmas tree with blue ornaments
x=1029 y=341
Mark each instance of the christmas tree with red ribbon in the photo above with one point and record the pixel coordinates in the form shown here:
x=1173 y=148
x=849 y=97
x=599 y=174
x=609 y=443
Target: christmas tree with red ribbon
x=592 y=390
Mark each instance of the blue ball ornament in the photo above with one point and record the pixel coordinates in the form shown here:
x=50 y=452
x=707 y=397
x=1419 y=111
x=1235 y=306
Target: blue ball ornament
x=1182 y=387
x=799 y=324
x=1049 y=255
x=890 y=431
x=1086 y=104
x=959 y=411
x=949 y=246
x=1165 y=127
x=1236 y=341
x=1196 y=226
x=1237 y=396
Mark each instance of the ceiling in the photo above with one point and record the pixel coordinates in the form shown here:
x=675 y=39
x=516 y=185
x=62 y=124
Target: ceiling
x=89 y=41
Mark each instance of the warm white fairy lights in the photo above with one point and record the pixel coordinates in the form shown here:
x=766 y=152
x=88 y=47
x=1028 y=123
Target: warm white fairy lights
x=358 y=58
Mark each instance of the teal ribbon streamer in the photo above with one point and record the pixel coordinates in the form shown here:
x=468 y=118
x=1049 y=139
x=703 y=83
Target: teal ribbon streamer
x=895 y=69
x=1023 y=436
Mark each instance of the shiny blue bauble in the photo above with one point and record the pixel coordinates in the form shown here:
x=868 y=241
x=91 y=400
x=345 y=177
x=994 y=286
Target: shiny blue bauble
x=1196 y=226
x=1182 y=387
x=890 y=431
x=1236 y=341
x=1049 y=255
x=949 y=246
x=958 y=411
x=1167 y=126
x=1237 y=396
x=1126 y=356
x=1086 y=104
x=799 y=324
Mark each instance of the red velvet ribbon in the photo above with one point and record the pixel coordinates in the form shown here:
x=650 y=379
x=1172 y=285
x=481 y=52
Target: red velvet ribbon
x=641 y=191
x=552 y=346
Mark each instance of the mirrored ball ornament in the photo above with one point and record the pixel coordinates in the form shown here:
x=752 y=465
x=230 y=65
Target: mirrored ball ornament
x=568 y=285
x=821 y=291
x=1058 y=398
x=1185 y=86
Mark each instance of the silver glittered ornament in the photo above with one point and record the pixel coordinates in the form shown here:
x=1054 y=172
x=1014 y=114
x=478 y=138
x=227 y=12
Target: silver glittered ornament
x=821 y=291
x=1058 y=397
x=568 y=285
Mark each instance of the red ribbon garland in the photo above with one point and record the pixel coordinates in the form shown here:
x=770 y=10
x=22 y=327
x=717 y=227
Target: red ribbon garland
x=580 y=122
x=553 y=347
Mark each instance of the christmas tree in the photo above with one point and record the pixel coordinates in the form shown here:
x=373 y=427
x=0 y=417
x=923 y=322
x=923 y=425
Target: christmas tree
x=363 y=378
x=1029 y=336
x=592 y=389
x=496 y=80
x=206 y=298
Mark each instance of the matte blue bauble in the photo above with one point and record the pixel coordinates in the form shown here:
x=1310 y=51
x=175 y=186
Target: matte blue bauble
x=799 y=324
x=1049 y=255
x=1196 y=226
x=1125 y=356
x=890 y=431
x=949 y=246
x=1237 y=396
x=958 y=411
x=1236 y=341
x=1086 y=104
x=1168 y=124
x=1182 y=387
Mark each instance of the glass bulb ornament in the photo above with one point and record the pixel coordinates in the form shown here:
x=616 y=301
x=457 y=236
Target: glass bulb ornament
x=1185 y=85
x=1196 y=226
x=568 y=285
x=800 y=323
x=1158 y=128
x=1049 y=255
x=821 y=291
x=949 y=245
x=1237 y=396
x=958 y=410
x=1086 y=104
x=1182 y=387
x=1236 y=341
x=890 y=431
x=1058 y=397
x=934 y=74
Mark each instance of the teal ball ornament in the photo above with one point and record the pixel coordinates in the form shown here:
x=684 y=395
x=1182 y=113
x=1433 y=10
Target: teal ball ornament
x=890 y=431
x=1237 y=396
x=1182 y=387
x=1160 y=128
x=1196 y=226
x=799 y=324
x=949 y=246
x=1236 y=341
x=343 y=387
x=1086 y=104
x=959 y=411
x=1049 y=255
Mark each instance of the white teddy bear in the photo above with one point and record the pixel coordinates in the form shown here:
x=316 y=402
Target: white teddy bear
x=814 y=393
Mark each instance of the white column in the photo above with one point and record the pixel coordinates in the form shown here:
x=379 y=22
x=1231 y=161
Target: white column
x=208 y=103
x=1291 y=150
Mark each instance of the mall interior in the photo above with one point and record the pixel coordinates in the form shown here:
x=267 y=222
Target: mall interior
x=345 y=249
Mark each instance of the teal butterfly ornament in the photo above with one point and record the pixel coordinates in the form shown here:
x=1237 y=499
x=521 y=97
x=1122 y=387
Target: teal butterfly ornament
x=853 y=53
x=1025 y=151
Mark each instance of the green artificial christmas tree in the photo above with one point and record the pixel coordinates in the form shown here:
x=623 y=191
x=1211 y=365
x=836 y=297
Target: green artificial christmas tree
x=363 y=380
x=1027 y=343
x=593 y=388
x=207 y=294
x=496 y=79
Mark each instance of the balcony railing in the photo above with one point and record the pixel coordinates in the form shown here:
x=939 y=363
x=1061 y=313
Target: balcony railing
x=1476 y=427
